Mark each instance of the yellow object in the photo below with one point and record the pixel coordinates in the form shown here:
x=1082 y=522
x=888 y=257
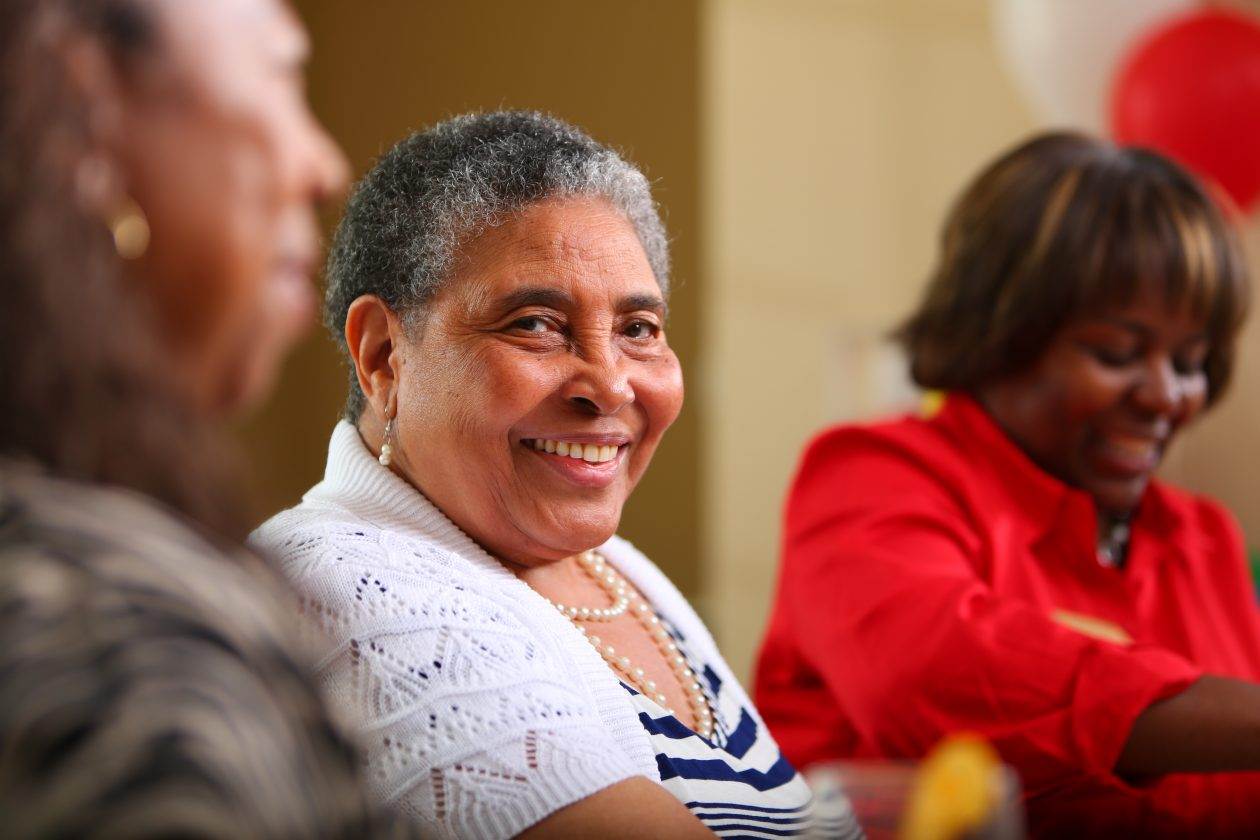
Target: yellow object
x=130 y=229
x=930 y=403
x=956 y=790
x=1096 y=628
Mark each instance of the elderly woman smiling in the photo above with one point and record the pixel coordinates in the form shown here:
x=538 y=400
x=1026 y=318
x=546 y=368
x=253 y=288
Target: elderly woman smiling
x=500 y=284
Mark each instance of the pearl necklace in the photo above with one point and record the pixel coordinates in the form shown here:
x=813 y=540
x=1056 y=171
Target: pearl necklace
x=608 y=580
x=623 y=598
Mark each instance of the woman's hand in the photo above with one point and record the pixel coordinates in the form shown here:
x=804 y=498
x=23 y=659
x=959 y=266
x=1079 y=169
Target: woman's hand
x=1212 y=726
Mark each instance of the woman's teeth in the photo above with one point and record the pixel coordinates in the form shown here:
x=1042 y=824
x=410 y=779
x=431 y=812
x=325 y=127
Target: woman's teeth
x=1133 y=446
x=589 y=452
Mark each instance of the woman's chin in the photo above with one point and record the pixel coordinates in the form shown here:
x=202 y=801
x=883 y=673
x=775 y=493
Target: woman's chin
x=581 y=533
x=246 y=388
x=588 y=541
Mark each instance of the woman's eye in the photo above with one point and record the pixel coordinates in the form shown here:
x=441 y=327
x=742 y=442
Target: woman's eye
x=641 y=329
x=1190 y=364
x=531 y=323
x=1113 y=357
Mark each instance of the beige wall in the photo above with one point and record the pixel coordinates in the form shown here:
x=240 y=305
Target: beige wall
x=626 y=72
x=836 y=133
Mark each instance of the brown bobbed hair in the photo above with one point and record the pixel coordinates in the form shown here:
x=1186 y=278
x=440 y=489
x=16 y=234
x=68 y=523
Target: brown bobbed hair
x=86 y=392
x=1061 y=226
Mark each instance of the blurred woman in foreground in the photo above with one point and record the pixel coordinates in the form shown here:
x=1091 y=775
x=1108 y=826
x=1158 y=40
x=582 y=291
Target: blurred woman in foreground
x=157 y=236
x=1010 y=566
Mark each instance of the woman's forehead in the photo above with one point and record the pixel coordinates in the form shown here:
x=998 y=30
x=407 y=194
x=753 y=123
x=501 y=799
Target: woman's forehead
x=229 y=38
x=568 y=227
x=565 y=291
x=574 y=247
x=1149 y=312
x=1174 y=295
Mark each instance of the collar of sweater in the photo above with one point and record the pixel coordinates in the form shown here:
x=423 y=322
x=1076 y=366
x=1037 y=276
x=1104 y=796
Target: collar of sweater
x=355 y=482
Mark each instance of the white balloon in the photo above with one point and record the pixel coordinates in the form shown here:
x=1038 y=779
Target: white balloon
x=1063 y=54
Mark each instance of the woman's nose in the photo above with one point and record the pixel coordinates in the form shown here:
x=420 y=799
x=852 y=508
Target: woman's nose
x=600 y=384
x=329 y=169
x=1160 y=390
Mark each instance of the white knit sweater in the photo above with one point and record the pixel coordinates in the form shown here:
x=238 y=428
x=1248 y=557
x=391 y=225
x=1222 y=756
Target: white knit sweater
x=481 y=709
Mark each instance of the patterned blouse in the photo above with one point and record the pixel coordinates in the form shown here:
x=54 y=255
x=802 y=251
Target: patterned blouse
x=150 y=685
x=738 y=783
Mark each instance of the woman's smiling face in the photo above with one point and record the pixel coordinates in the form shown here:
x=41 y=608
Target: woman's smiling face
x=548 y=339
x=1100 y=407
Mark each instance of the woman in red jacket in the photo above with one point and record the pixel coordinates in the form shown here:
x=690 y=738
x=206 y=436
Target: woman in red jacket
x=1010 y=565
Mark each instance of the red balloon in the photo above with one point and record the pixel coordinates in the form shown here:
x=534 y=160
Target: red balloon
x=1191 y=90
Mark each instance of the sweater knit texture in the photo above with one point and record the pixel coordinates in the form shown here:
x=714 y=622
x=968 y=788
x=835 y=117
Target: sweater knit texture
x=481 y=709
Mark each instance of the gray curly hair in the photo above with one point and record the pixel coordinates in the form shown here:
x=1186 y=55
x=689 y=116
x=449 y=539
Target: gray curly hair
x=438 y=188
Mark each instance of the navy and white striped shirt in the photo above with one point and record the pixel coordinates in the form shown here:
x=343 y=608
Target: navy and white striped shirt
x=738 y=784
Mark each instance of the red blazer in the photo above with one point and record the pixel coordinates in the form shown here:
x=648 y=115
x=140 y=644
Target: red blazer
x=929 y=570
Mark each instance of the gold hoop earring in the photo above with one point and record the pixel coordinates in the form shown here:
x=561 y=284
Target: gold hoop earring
x=386 y=450
x=130 y=229
x=100 y=191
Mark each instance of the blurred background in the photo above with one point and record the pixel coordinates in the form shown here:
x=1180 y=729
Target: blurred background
x=805 y=153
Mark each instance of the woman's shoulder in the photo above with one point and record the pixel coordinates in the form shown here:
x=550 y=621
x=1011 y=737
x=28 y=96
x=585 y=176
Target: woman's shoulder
x=906 y=438
x=315 y=538
x=62 y=510
x=908 y=461
x=456 y=677
x=105 y=591
x=310 y=529
x=113 y=538
x=359 y=580
x=1191 y=515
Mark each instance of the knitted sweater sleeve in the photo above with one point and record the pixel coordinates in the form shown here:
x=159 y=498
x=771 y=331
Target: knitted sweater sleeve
x=467 y=718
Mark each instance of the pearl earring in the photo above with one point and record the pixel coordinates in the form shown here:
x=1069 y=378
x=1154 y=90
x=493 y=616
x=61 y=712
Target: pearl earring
x=386 y=449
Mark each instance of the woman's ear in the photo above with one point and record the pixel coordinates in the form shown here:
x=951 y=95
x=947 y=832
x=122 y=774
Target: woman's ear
x=94 y=78
x=372 y=334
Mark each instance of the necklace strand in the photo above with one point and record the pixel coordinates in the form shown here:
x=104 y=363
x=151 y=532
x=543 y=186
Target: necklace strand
x=609 y=582
x=624 y=599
